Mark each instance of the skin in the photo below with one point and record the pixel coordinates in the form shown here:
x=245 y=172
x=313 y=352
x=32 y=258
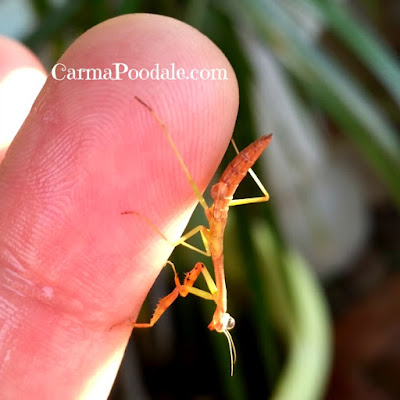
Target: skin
x=73 y=270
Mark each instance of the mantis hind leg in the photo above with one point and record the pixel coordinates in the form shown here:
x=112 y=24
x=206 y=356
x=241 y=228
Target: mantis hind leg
x=177 y=153
x=261 y=199
x=182 y=290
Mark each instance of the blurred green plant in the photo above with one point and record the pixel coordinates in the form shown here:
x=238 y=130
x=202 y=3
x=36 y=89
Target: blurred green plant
x=329 y=83
x=301 y=315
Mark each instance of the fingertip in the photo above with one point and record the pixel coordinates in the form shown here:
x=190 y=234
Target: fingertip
x=92 y=137
x=86 y=153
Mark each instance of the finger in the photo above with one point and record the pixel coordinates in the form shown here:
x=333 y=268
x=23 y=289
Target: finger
x=72 y=265
x=21 y=78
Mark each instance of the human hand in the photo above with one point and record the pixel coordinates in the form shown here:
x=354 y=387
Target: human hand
x=71 y=265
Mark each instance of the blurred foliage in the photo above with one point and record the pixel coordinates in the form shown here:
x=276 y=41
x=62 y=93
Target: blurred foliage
x=344 y=71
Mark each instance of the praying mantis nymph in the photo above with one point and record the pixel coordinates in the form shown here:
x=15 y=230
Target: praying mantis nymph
x=222 y=193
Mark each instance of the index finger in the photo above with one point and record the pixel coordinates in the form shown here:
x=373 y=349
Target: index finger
x=73 y=266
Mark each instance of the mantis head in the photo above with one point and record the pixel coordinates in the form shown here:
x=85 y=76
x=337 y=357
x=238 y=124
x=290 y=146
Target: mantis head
x=223 y=322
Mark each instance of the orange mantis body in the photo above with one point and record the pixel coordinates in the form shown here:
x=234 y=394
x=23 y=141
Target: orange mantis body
x=222 y=193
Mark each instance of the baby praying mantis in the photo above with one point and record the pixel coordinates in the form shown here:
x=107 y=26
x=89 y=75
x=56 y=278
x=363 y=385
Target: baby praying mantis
x=222 y=193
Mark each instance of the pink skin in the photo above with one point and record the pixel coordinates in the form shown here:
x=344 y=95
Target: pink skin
x=15 y=57
x=71 y=265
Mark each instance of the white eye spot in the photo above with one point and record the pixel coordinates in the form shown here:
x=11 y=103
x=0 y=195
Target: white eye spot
x=231 y=323
x=228 y=321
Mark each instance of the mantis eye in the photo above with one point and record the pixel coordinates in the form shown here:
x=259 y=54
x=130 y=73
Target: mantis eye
x=231 y=323
x=228 y=321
